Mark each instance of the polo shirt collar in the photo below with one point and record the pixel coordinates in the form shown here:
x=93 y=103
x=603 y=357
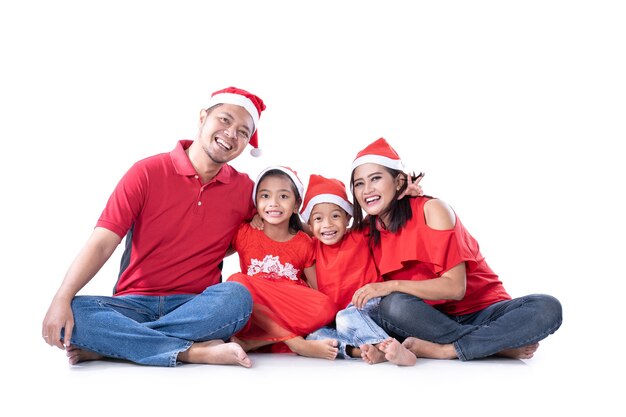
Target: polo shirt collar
x=182 y=163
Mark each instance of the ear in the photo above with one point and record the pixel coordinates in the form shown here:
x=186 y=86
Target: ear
x=399 y=180
x=203 y=115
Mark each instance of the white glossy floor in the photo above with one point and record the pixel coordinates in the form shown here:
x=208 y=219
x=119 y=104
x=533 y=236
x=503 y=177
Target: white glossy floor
x=560 y=379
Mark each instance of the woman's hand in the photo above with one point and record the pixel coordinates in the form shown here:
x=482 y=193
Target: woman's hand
x=413 y=189
x=369 y=291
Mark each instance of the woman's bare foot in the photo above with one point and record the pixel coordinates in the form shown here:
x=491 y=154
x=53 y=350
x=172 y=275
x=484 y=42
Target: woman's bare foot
x=425 y=349
x=371 y=354
x=77 y=355
x=397 y=353
x=524 y=352
x=322 y=349
x=215 y=352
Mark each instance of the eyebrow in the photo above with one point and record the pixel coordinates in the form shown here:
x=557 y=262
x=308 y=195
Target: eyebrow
x=370 y=175
x=280 y=190
x=334 y=210
x=230 y=116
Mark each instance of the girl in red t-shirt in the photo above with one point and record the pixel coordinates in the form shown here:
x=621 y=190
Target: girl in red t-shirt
x=278 y=268
x=440 y=296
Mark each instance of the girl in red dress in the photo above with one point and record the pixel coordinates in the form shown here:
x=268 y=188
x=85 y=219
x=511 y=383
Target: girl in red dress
x=278 y=268
x=440 y=295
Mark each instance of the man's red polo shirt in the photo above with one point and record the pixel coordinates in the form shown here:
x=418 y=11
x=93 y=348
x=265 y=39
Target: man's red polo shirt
x=180 y=227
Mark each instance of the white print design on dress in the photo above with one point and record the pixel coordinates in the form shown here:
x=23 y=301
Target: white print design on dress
x=272 y=266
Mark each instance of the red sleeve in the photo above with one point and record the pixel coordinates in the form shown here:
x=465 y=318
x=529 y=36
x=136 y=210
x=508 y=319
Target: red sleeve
x=239 y=238
x=309 y=251
x=126 y=202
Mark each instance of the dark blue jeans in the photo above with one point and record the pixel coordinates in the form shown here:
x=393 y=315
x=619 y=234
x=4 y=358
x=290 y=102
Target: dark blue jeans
x=504 y=325
x=153 y=330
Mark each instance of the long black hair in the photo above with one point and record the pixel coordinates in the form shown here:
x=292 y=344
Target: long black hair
x=295 y=224
x=399 y=210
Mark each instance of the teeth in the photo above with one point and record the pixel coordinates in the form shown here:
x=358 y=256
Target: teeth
x=369 y=200
x=223 y=144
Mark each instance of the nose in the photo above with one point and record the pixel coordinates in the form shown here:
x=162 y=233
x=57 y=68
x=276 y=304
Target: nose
x=231 y=132
x=367 y=187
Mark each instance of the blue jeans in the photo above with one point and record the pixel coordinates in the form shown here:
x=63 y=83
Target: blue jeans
x=353 y=327
x=504 y=325
x=153 y=330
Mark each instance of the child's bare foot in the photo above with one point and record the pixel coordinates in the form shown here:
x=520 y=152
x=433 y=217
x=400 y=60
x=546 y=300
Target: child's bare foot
x=215 y=352
x=353 y=351
x=248 y=345
x=322 y=349
x=396 y=353
x=524 y=352
x=425 y=349
x=77 y=355
x=371 y=354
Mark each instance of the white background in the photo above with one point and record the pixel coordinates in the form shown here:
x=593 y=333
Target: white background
x=515 y=111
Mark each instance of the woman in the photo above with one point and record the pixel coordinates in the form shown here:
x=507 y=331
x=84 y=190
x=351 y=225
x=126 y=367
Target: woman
x=441 y=297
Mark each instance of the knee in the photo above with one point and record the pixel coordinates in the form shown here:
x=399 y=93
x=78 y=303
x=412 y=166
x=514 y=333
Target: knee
x=554 y=309
x=239 y=295
x=79 y=301
x=550 y=309
x=393 y=306
x=82 y=303
x=342 y=319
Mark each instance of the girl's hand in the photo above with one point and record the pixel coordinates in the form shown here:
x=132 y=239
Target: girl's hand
x=413 y=189
x=369 y=291
x=256 y=222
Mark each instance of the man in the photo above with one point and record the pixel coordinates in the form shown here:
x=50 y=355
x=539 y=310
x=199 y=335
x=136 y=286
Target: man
x=179 y=212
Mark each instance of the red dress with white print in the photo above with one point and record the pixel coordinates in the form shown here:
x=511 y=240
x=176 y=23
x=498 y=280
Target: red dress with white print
x=284 y=305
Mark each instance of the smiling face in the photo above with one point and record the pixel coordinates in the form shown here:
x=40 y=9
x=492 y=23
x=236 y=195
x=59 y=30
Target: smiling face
x=276 y=199
x=329 y=223
x=224 y=132
x=375 y=189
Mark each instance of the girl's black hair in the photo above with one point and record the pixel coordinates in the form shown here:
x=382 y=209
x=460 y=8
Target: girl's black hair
x=295 y=224
x=399 y=210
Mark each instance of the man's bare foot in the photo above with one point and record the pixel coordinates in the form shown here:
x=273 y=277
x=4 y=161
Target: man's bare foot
x=524 y=352
x=425 y=349
x=77 y=355
x=215 y=352
x=322 y=349
x=371 y=354
x=396 y=353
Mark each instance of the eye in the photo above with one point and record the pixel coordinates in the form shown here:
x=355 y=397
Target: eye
x=357 y=184
x=376 y=178
x=243 y=134
x=263 y=195
x=317 y=218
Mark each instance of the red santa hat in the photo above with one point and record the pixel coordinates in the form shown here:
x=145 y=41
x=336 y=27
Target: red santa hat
x=379 y=152
x=324 y=190
x=253 y=105
x=290 y=172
